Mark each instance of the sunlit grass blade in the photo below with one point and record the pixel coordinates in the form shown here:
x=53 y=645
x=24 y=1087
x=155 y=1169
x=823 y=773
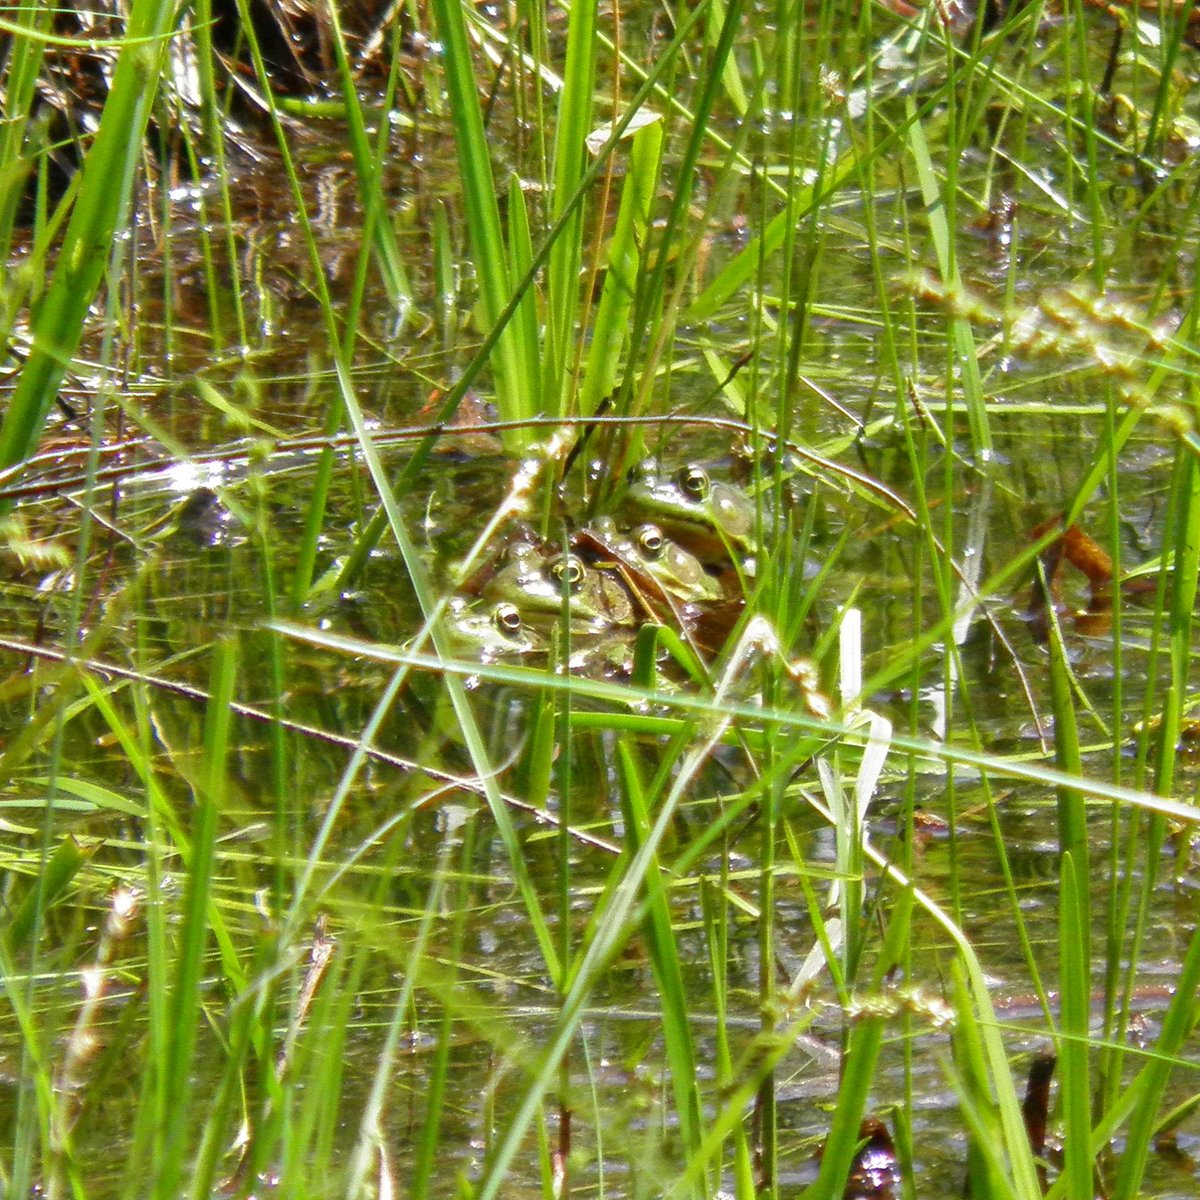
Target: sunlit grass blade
x=716 y=926
x=250 y=1031
x=573 y=123
x=445 y=282
x=858 y=1073
x=656 y=309
x=743 y=268
x=159 y=809
x=1144 y=1095
x=858 y=1067
x=369 y=1158
x=1007 y=1140
x=441 y=1077
x=432 y=607
x=1072 y=814
x=46 y=890
x=514 y=396
x=612 y=930
x=34 y=1115
x=194 y=932
x=1074 y=1070
x=1185 y=536
x=966 y=360
x=731 y=77
x=663 y=949
x=524 y=325
x=100 y=209
x=368 y=167
x=610 y=331
x=1185 y=544
x=984 y=1166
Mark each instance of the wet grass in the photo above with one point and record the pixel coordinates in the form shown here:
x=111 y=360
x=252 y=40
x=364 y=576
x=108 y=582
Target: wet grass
x=299 y=894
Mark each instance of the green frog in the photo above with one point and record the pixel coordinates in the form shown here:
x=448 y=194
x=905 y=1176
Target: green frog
x=707 y=516
x=657 y=564
x=493 y=631
x=537 y=583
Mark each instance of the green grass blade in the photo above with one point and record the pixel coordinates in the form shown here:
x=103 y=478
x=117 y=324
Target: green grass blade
x=160 y=809
x=866 y=1040
x=24 y=61
x=371 y=1124
x=1012 y=1141
x=862 y=1053
x=185 y=1002
x=654 y=314
x=1073 y=1067
x=1184 y=581
x=1180 y=1016
x=965 y=358
x=612 y=931
x=513 y=395
x=564 y=265
x=985 y=1177
x=663 y=949
x=1143 y=1097
x=611 y=329
x=716 y=928
x=367 y=166
x=38 y=1078
x=742 y=269
x=100 y=208
x=459 y=698
x=525 y=321
x=1072 y=814
x=731 y=78
x=50 y=886
x=441 y=1076
x=248 y=1030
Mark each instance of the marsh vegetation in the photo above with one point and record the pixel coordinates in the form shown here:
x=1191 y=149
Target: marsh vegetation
x=599 y=600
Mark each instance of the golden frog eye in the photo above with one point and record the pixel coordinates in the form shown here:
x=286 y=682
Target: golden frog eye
x=569 y=570
x=507 y=618
x=694 y=482
x=650 y=541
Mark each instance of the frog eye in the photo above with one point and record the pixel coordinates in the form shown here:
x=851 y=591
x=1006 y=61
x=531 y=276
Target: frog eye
x=569 y=570
x=650 y=541
x=694 y=482
x=507 y=618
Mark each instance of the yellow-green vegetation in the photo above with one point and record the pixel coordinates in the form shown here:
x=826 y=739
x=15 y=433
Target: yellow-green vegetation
x=598 y=600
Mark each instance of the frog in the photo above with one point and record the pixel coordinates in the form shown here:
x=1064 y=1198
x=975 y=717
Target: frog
x=496 y=631
x=658 y=565
x=492 y=631
x=706 y=516
x=536 y=584
x=200 y=520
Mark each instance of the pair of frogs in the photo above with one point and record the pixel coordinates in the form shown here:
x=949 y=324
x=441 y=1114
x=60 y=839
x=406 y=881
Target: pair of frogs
x=667 y=566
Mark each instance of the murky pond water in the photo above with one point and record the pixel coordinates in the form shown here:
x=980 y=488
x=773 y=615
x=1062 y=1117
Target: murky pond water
x=175 y=558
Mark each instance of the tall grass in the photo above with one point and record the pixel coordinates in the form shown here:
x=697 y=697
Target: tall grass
x=101 y=207
x=492 y=925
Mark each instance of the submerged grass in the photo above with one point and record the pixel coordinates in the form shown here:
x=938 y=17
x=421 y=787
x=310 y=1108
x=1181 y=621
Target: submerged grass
x=492 y=926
